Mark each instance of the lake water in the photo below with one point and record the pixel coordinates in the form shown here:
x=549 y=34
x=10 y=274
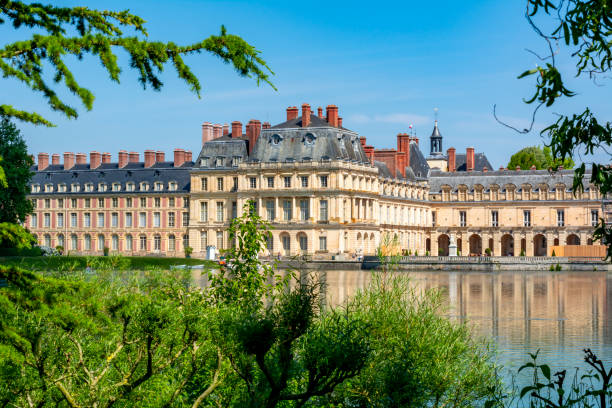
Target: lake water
x=559 y=313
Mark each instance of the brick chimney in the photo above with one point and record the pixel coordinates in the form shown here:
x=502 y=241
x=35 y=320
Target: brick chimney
x=305 y=115
x=217 y=130
x=369 y=151
x=332 y=115
x=43 y=161
x=236 y=129
x=179 y=157
x=225 y=129
x=134 y=157
x=95 y=160
x=389 y=157
x=187 y=156
x=485 y=169
x=253 y=132
x=207 y=132
x=55 y=158
x=160 y=156
x=469 y=159
x=266 y=125
x=501 y=168
x=320 y=112
x=149 y=158
x=362 y=140
x=68 y=160
x=81 y=158
x=292 y=112
x=403 y=142
x=451 y=159
x=106 y=157
x=123 y=158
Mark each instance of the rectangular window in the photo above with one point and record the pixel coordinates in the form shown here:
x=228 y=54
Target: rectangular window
x=143 y=202
x=34 y=220
x=204 y=183
x=185 y=202
x=203 y=240
x=73 y=203
x=87 y=203
x=34 y=202
x=101 y=202
x=128 y=243
x=462 y=219
x=115 y=220
x=527 y=218
x=142 y=220
x=270 y=210
x=157 y=202
x=87 y=220
x=323 y=181
x=157 y=243
x=171 y=202
x=100 y=219
x=115 y=202
x=253 y=182
x=171 y=219
x=322 y=243
x=323 y=210
x=60 y=220
x=219 y=183
x=185 y=219
x=128 y=219
x=494 y=219
x=560 y=218
x=594 y=217
x=219 y=239
x=47 y=203
x=433 y=218
x=203 y=211
x=304 y=180
x=270 y=182
x=156 y=220
x=73 y=220
x=128 y=202
x=287 y=181
x=304 y=210
x=235 y=187
x=287 y=213
x=234 y=209
x=219 y=211
x=60 y=203
x=143 y=243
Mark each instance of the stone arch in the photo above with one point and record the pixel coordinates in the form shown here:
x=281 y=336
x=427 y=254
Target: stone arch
x=572 y=239
x=443 y=243
x=556 y=242
x=359 y=243
x=523 y=246
x=507 y=245
x=285 y=240
x=589 y=241
x=475 y=245
x=539 y=245
x=302 y=240
x=428 y=245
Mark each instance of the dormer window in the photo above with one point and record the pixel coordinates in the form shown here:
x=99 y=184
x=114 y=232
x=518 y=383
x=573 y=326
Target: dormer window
x=309 y=138
x=144 y=186
x=219 y=162
x=173 y=186
x=236 y=161
x=130 y=186
x=89 y=187
x=35 y=188
x=75 y=187
x=204 y=162
x=48 y=188
x=61 y=188
x=102 y=187
x=116 y=187
x=275 y=139
x=158 y=186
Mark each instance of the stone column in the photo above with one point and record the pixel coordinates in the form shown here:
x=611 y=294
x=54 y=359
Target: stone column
x=465 y=244
x=517 y=243
x=311 y=208
x=353 y=215
x=529 y=247
x=277 y=210
x=294 y=210
x=433 y=237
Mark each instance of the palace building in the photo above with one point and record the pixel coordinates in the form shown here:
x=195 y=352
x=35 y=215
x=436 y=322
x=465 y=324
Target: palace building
x=322 y=188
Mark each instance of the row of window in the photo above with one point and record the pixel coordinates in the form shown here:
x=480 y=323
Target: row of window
x=269 y=182
x=270 y=210
x=129 y=220
x=88 y=243
x=495 y=194
x=114 y=202
x=526 y=218
x=103 y=187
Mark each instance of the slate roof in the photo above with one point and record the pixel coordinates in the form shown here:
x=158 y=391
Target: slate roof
x=225 y=148
x=535 y=178
x=110 y=173
x=480 y=161
x=418 y=163
x=315 y=121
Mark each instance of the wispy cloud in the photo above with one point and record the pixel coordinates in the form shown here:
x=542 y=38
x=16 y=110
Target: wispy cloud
x=391 y=118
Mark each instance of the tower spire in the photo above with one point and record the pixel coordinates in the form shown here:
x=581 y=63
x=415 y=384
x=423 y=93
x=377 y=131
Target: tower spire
x=435 y=138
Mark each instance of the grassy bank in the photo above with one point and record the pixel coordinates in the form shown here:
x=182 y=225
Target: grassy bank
x=48 y=263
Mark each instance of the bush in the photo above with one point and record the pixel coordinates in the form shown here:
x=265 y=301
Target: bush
x=60 y=249
x=105 y=251
x=488 y=251
x=558 y=268
x=426 y=253
x=440 y=252
x=522 y=252
x=416 y=252
x=188 y=251
x=553 y=253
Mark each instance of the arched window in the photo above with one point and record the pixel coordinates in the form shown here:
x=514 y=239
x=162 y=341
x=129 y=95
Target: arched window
x=143 y=243
x=129 y=243
x=303 y=241
x=157 y=243
x=47 y=240
x=60 y=240
x=203 y=240
x=101 y=242
x=115 y=242
x=185 y=241
x=74 y=242
x=87 y=242
x=171 y=243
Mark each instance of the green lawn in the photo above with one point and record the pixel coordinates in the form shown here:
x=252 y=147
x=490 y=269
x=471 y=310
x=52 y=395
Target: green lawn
x=50 y=263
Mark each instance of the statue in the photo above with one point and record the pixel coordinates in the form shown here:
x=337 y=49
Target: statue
x=452 y=246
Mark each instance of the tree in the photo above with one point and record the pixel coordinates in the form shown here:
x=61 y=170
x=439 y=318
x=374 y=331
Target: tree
x=81 y=31
x=583 y=29
x=537 y=156
x=14 y=205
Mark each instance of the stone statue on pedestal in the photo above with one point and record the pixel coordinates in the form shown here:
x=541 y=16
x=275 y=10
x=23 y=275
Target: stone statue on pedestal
x=452 y=246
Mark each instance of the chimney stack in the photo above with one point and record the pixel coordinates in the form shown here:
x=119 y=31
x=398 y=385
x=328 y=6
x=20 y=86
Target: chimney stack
x=217 y=130
x=179 y=157
x=305 y=115
x=68 y=160
x=106 y=157
x=369 y=151
x=451 y=159
x=236 y=129
x=292 y=112
x=332 y=115
x=81 y=158
x=362 y=140
x=123 y=158
x=485 y=169
x=469 y=159
x=207 y=132
x=55 y=158
x=225 y=129
x=134 y=157
x=95 y=160
x=253 y=132
x=149 y=158
x=320 y=112
x=187 y=156
x=266 y=125
x=43 y=161
x=160 y=156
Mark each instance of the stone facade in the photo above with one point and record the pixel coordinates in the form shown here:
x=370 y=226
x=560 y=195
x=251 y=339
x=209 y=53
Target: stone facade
x=321 y=187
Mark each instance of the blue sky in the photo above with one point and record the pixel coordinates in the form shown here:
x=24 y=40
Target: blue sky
x=385 y=65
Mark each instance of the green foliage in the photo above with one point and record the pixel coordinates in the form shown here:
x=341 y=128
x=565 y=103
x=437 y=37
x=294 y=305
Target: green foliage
x=522 y=252
x=418 y=358
x=553 y=253
x=16 y=164
x=15 y=236
x=426 y=253
x=61 y=33
x=188 y=251
x=558 y=268
x=539 y=157
x=488 y=251
x=60 y=249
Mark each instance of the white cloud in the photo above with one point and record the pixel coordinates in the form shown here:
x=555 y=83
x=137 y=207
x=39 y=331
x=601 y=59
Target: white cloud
x=392 y=118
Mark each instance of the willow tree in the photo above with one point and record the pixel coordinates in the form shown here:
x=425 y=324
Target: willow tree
x=59 y=33
x=582 y=30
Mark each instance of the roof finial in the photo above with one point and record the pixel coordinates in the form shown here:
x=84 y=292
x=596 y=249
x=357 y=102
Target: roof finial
x=436 y=115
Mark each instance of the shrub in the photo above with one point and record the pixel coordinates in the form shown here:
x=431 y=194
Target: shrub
x=106 y=250
x=60 y=249
x=188 y=251
x=416 y=252
x=440 y=252
x=558 y=268
x=522 y=252
x=426 y=253
x=553 y=253
x=488 y=251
